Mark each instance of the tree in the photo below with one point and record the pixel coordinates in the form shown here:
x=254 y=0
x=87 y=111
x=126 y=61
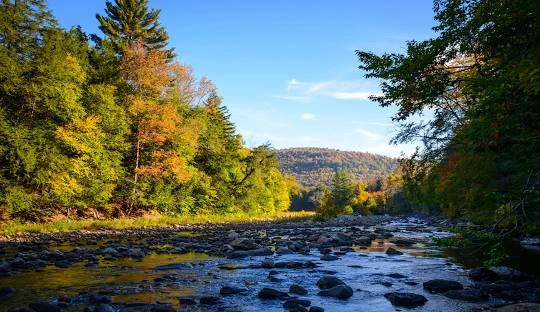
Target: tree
x=477 y=79
x=128 y=21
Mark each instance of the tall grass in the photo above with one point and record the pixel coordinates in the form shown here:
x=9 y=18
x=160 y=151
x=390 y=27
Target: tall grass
x=69 y=225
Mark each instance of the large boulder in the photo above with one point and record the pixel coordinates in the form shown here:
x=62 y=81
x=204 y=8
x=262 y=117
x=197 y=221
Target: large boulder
x=329 y=281
x=251 y=253
x=406 y=300
x=244 y=244
x=469 y=295
x=270 y=293
x=440 y=286
x=509 y=274
x=340 y=291
x=483 y=275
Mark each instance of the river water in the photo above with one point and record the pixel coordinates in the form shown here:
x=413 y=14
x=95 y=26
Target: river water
x=369 y=271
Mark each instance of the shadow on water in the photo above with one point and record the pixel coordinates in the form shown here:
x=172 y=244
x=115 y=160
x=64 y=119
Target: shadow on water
x=511 y=254
x=130 y=280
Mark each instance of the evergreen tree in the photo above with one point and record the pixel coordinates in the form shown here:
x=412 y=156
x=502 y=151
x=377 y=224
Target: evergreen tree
x=127 y=21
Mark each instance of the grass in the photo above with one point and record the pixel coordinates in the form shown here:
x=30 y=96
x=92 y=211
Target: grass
x=70 y=225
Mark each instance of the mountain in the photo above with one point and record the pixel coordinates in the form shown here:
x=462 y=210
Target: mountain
x=312 y=166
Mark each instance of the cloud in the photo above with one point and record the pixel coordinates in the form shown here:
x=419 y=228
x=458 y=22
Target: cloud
x=304 y=91
x=307 y=116
x=370 y=135
x=303 y=99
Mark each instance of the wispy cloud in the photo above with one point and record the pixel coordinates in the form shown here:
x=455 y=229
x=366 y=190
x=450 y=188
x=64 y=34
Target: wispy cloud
x=305 y=91
x=307 y=116
x=369 y=135
x=292 y=98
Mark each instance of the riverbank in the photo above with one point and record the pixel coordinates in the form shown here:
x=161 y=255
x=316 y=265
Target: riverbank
x=62 y=225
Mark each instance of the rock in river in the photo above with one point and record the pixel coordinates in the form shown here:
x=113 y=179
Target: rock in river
x=393 y=252
x=250 y=253
x=297 y=289
x=469 y=295
x=407 y=300
x=43 y=306
x=340 y=291
x=439 y=286
x=269 y=293
x=329 y=281
x=230 y=290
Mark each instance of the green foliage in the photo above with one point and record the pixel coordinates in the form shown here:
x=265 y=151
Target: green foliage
x=87 y=130
x=127 y=21
x=476 y=79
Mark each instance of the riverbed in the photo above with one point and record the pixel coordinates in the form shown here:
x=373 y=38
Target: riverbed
x=177 y=269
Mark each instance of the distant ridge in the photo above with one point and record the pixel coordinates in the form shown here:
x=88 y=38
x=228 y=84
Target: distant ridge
x=312 y=165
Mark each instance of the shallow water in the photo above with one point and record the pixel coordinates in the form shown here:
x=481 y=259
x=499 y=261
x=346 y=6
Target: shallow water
x=366 y=270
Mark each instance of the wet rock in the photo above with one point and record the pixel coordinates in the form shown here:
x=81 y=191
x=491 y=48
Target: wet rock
x=402 y=242
x=363 y=241
x=208 y=300
x=233 y=235
x=339 y=291
x=63 y=263
x=316 y=309
x=100 y=298
x=173 y=266
x=43 y=306
x=396 y=275
x=135 y=253
x=393 y=252
x=283 y=251
x=387 y=284
x=104 y=308
x=329 y=281
x=482 y=275
x=519 y=307
x=407 y=300
x=6 y=292
x=109 y=251
x=270 y=293
x=439 y=286
x=251 y=253
x=329 y=257
x=509 y=274
x=469 y=295
x=230 y=290
x=4 y=268
x=162 y=308
x=267 y=264
x=244 y=244
x=293 y=304
x=187 y=301
x=297 y=289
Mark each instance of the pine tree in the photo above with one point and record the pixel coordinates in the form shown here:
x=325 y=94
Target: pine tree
x=127 y=21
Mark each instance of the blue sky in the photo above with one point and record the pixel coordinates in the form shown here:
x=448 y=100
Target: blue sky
x=287 y=69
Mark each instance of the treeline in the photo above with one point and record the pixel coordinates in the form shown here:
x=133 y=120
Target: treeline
x=344 y=196
x=316 y=166
x=480 y=80
x=114 y=125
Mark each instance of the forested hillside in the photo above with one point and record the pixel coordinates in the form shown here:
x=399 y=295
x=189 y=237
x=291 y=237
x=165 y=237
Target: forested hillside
x=313 y=166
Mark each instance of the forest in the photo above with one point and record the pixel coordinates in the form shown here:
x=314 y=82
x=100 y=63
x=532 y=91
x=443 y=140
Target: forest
x=480 y=80
x=114 y=126
x=314 y=166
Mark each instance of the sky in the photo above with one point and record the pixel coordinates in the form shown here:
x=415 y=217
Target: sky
x=287 y=69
